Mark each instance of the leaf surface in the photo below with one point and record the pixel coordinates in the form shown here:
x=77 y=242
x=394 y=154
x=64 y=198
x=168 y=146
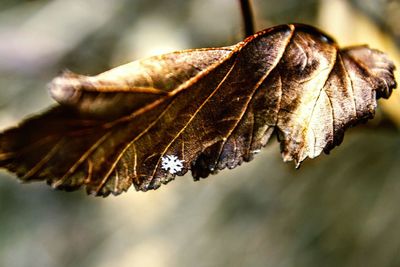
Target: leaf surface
x=201 y=110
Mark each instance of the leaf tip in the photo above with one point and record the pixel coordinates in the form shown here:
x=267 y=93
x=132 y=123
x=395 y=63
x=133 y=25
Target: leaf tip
x=65 y=89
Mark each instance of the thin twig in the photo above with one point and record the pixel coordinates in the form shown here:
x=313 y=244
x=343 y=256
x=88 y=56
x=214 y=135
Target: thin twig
x=248 y=18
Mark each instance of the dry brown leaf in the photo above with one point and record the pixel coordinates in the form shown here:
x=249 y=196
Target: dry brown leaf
x=200 y=110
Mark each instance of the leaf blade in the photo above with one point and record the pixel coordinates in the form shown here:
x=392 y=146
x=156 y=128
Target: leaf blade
x=209 y=108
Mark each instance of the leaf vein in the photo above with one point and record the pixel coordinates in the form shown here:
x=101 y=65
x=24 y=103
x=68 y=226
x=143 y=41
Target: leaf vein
x=191 y=119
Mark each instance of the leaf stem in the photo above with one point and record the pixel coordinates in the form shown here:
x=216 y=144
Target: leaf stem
x=247 y=16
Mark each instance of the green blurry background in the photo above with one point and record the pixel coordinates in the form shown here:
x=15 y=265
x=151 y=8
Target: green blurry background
x=337 y=210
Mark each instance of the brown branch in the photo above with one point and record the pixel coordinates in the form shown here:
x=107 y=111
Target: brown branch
x=248 y=17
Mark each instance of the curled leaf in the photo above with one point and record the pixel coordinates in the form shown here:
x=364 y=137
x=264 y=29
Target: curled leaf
x=201 y=110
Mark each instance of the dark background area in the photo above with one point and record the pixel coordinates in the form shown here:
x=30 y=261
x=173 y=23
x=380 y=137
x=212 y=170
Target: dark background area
x=336 y=210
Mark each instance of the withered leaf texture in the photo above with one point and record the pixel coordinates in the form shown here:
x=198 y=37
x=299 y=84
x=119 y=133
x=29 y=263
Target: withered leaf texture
x=201 y=110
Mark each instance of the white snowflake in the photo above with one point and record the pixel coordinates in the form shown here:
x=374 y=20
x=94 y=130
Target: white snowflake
x=171 y=164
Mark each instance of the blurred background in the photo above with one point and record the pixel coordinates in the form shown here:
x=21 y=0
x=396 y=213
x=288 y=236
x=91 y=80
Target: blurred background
x=336 y=210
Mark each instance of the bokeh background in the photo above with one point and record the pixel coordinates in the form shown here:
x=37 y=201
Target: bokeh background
x=336 y=210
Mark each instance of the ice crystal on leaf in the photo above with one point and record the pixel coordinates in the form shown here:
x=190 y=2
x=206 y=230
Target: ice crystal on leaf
x=172 y=164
